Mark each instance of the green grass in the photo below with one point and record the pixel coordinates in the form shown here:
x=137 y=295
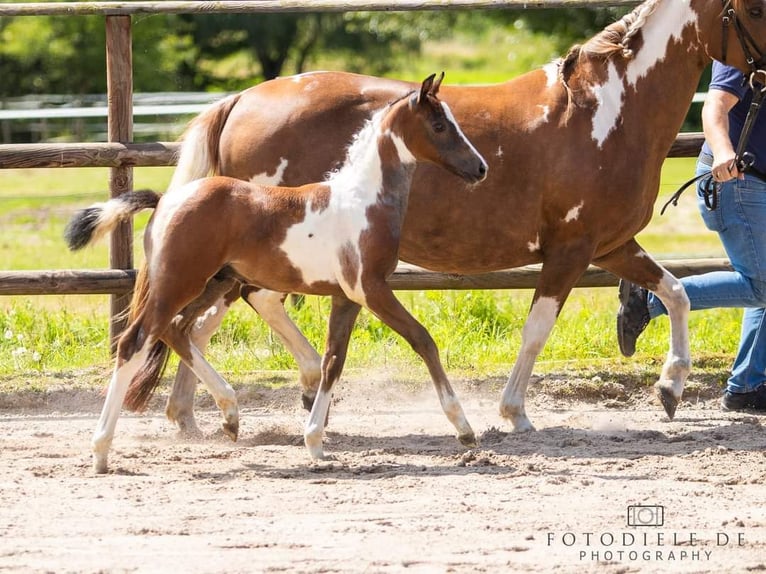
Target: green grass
x=58 y=338
x=478 y=332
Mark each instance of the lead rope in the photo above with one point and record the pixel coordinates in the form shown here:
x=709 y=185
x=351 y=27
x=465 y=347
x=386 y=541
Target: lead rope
x=744 y=160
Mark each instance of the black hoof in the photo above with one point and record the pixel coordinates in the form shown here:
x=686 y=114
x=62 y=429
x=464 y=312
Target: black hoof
x=669 y=402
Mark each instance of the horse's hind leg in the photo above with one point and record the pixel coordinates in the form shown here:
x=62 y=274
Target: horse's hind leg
x=631 y=262
x=270 y=306
x=129 y=361
x=342 y=317
x=382 y=302
x=224 y=395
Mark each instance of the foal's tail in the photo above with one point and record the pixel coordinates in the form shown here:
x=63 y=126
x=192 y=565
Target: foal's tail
x=85 y=227
x=199 y=154
x=91 y=223
x=146 y=380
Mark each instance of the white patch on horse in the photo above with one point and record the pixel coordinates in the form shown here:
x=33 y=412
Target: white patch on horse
x=666 y=25
x=609 y=99
x=541 y=119
x=573 y=213
x=405 y=155
x=274 y=179
x=552 y=73
x=499 y=152
x=169 y=204
x=314 y=245
x=453 y=121
x=534 y=245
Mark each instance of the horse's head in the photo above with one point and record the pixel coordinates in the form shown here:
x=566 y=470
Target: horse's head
x=738 y=34
x=429 y=131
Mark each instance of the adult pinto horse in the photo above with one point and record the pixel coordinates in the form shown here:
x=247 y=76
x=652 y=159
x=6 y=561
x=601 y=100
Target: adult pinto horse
x=339 y=238
x=575 y=151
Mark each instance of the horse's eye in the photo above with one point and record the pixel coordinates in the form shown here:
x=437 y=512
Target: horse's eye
x=756 y=12
x=439 y=127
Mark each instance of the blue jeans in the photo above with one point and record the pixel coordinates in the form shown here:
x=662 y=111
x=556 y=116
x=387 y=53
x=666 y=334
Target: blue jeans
x=740 y=221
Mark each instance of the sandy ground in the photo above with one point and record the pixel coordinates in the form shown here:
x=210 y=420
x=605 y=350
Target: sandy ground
x=399 y=494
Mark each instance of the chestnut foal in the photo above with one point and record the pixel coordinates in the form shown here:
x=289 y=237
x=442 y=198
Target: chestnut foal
x=338 y=238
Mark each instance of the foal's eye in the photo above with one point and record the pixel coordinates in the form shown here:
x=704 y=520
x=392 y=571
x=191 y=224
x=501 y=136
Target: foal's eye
x=756 y=12
x=439 y=126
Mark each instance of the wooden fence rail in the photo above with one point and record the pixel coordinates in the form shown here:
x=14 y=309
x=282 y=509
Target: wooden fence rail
x=121 y=155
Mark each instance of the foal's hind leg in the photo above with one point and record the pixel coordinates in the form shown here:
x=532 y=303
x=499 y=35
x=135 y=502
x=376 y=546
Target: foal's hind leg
x=382 y=302
x=223 y=394
x=129 y=361
x=342 y=317
x=180 y=406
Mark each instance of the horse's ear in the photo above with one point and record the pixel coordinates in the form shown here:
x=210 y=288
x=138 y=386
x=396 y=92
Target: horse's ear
x=425 y=87
x=435 y=88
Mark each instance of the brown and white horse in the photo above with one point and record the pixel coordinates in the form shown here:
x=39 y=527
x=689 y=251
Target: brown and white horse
x=338 y=238
x=575 y=151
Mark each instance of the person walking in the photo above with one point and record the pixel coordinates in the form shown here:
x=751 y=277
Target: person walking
x=739 y=218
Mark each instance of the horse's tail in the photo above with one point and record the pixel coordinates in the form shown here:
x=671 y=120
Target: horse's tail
x=199 y=154
x=146 y=380
x=91 y=223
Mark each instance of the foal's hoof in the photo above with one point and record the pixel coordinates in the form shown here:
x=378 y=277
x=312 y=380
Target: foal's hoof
x=99 y=465
x=668 y=400
x=231 y=430
x=468 y=440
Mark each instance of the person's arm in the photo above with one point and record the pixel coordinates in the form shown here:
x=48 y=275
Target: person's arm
x=715 y=125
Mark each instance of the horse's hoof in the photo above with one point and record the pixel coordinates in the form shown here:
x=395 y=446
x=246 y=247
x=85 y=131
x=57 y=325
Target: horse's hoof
x=468 y=440
x=231 y=430
x=668 y=400
x=99 y=465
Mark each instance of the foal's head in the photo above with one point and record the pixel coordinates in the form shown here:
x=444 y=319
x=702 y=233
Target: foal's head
x=425 y=126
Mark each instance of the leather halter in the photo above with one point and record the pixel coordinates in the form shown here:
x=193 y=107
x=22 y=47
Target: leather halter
x=744 y=160
x=746 y=41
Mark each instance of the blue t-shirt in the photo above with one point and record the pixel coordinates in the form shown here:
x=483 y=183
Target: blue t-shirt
x=735 y=82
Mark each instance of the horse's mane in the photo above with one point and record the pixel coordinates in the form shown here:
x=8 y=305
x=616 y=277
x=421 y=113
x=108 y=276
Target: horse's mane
x=613 y=39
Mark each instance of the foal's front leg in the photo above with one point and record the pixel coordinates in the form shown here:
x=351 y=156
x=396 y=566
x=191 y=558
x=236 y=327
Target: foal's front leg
x=382 y=302
x=342 y=318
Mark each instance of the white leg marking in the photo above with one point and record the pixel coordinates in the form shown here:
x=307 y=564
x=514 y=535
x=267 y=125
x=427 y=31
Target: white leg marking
x=118 y=387
x=678 y=362
x=314 y=430
x=268 y=305
x=537 y=329
x=224 y=395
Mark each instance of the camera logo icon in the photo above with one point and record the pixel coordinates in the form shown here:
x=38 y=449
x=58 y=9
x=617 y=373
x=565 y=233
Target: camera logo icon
x=646 y=515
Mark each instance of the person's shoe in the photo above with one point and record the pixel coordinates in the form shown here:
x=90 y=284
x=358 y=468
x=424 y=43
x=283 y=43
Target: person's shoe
x=752 y=401
x=632 y=317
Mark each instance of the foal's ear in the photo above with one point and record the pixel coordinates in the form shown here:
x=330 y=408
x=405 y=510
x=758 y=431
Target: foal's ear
x=425 y=87
x=435 y=88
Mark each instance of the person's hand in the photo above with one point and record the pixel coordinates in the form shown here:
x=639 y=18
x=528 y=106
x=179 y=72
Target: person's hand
x=725 y=170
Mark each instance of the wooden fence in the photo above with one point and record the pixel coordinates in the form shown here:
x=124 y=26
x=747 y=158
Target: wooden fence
x=121 y=155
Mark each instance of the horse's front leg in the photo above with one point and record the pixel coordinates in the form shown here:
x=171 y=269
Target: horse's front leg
x=559 y=273
x=270 y=306
x=343 y=315
x=634 y=264
x=382 y=302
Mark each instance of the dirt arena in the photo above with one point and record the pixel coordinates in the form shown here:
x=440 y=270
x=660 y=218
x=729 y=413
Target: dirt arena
x=607 y=484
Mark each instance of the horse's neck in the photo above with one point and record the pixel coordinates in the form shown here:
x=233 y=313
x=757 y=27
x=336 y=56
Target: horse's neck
x=657 y=82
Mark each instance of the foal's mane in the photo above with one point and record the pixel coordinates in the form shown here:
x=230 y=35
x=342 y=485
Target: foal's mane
x=362 y=139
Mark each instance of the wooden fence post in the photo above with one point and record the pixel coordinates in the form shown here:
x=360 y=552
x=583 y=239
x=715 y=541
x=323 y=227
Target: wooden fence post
x=119 y=80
